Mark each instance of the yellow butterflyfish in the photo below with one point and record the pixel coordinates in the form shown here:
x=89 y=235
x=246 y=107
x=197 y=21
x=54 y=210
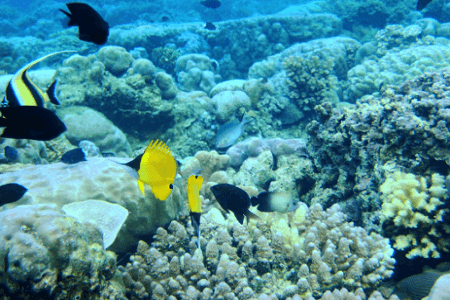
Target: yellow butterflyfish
x=157 y=168
x=195 y=202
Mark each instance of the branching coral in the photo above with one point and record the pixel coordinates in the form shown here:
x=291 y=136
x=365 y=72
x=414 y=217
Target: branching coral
x=323 y=252
x=309 y=80
x=414 y=214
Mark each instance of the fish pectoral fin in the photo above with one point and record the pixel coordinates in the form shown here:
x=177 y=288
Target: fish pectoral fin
x=141 y=186
x=51 y=93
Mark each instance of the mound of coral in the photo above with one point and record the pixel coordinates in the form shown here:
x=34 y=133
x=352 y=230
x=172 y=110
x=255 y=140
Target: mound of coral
x=315 y=252
x=44 y=253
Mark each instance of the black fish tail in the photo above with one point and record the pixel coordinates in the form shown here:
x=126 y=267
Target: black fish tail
x=51 y=93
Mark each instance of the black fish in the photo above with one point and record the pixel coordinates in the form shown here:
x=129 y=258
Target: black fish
x=211 y=3
x=210 y=26
x=30 y=122
x=422 y=3
x=11 y=192
x=165 y=18
x=11 y=153
x=91 y=26
x=73 y=156
x=233 y=199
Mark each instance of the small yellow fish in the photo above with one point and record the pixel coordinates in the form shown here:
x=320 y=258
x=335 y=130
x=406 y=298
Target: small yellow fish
x=157 y=168
x=21 y=91
x=195 y=202
x=194 y=184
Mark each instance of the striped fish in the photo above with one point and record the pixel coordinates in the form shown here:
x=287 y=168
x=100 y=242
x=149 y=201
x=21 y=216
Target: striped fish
x=21 y=91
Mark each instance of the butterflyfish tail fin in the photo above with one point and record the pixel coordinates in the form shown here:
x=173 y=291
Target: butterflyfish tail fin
x=51 y=93
x=141 y=186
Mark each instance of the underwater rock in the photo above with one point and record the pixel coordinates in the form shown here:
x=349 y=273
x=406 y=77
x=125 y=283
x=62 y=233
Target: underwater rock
x=100 y=179
x=227 y=103
x=166 y=84
x=107 y=216
x=39 y=256
x=84 y=123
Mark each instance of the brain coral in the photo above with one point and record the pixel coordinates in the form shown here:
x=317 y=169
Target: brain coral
x=44 y=251
x=411 y=202
x=310 y=256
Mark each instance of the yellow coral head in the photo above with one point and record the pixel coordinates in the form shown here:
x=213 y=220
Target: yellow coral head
x=158 y=169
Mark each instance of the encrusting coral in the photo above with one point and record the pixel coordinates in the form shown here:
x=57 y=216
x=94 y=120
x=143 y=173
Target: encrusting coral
x=414 y=214
x=322 y=252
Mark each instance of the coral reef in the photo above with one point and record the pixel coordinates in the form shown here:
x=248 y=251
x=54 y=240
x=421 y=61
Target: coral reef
x=254 y=146
x=43 y=252
x=310 y=82
x=115 y=59
x=326 y=253
x=411 y=202
x=132 y=102
x=195 y=72
x=403 y=128
x=98 y=179
x=165 y=58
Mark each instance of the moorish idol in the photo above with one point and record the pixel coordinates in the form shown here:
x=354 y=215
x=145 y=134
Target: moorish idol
x=21 y=91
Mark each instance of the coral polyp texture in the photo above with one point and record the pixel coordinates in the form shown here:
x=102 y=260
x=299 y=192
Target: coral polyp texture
x=415 y=214
x=317 y=252
x=46 y=254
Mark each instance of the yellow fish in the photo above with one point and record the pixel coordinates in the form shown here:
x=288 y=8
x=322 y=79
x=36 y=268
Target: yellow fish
x=21 y=91
x=157 y=168
x=195 y=202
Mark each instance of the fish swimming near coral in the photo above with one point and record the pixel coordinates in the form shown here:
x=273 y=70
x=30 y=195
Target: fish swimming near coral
x=30 y=122
x=229 y=132
x=422 y=3
x=157 y=168
x=233 y=199
x=275 y=201
x=73 y=156
x=195 y=202
x=11 y=192
x=211 y=3
x=11 y=153
x=91 y=26
x=210 y=26
x=21 y=91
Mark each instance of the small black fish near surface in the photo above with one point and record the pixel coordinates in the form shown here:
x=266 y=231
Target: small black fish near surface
x=210 y=26
x=30 y=122
x=73 y=156
x=234 y=199
x=91 y=26
x=422 y=3
x=11 y=192
x=211 y=3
